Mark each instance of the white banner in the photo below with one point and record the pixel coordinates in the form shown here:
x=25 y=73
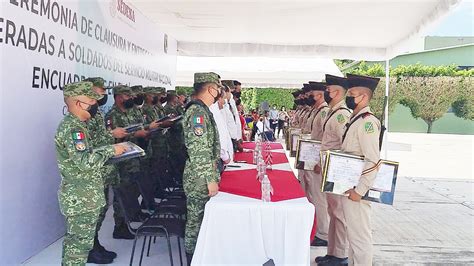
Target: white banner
x=45 y=44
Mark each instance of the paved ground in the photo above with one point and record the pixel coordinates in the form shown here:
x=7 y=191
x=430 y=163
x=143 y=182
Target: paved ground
x=430 y=223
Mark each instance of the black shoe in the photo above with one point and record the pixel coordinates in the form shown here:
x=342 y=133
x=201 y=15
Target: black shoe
x=335 y=261
x=122 y=233
x=97 y=257
x=140 y=217
x=318 y=242
x=321 y=259
x=101 y=249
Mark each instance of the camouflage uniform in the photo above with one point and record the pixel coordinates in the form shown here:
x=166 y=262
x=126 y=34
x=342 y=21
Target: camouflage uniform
x=202 y=143
x=81 y=195
x=176 y=142
x=129 y=169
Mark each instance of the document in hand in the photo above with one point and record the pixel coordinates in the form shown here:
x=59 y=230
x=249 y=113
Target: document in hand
x=134 y=128
x=307 y=154
x=133 y=151
x=290 y=131
x=342 y=171
x=294 y=142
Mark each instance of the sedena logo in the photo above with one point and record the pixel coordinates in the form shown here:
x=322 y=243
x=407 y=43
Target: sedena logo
x=121 y=7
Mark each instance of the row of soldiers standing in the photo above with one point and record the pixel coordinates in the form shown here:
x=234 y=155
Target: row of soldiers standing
x=337 y=113
x=84 y=143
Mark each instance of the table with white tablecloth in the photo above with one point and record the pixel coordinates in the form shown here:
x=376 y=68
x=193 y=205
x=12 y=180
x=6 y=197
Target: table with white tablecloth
x=239 y=229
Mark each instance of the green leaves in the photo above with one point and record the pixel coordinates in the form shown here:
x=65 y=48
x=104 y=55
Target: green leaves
x=253 y=97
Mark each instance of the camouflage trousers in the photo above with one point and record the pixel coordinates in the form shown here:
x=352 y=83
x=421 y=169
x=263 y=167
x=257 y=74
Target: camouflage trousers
x=118 y=215
x=196 y=199
x=79 y=238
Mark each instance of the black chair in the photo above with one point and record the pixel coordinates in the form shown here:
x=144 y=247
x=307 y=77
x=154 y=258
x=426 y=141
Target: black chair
x=151 y=228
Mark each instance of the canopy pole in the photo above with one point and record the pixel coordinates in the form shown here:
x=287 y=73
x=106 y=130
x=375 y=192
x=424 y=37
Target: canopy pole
x=387 y=90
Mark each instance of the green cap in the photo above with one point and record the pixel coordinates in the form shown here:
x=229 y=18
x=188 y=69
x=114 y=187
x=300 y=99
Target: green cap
x=97 y=81
x=82 y=88
x=207 y=77
x=123 y=89
x=161 y=90
x=181 y=93
x=150 y=90
x=137 y=89
x=173 y=93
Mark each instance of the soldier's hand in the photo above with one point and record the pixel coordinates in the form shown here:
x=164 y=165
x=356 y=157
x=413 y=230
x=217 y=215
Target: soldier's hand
x=317 y=169
x=213 y=188
x=154 y=125
x=141 y=133
x=119 y=149
x=353 y=195
x=166 y=123
x=119 y=133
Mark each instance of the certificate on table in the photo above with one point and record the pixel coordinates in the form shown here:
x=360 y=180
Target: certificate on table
x=290 y=131
x=307 y=154
x=132 y=151
x=294 y=142
x=342 y=172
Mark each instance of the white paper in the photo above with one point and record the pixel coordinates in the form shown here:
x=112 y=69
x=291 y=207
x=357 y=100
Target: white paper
x=309 y=154
x=344 y=172
x=384 y=178
x=294 y=140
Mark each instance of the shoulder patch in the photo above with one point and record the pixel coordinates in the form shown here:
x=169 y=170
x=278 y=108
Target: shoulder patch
x=369 y=127
x=340 y=119
x=198 y=130
x=323 y=113
x=80 y=145
x=198 y=120
x=78 y=135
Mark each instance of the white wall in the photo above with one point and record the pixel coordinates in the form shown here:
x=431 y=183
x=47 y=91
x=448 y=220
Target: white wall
x=30 y=111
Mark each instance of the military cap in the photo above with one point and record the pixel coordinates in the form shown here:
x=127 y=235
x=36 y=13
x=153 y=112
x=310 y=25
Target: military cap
x=204 y=77
x=306 y=88
x=137 y=89
x=335 y=80
x=96 y=81
x=296 y=93
x=317 y=86
x=229 y=83
x=172 y=92
x=122 y=89
x=181 y=93
x=150 y=90
x=362 y=81
x=160 y=90
x=82 y=88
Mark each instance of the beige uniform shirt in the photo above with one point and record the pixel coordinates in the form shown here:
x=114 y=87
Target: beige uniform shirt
x=295 y=118
x=333 y=127
x=306 y=119
x=317 y=123
x=303 y=116
x=362 y=138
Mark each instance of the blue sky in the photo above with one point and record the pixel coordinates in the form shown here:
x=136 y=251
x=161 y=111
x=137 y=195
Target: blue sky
x=460 y=22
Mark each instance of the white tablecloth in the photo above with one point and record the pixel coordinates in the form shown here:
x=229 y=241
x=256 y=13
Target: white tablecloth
x=239 y=230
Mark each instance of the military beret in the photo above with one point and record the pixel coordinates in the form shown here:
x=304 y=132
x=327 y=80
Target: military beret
x=229 y=83
x=137 y=89
x=204 y=77
x=317 y=86
x=362 y=81
x=96 y=81
x=82 y=88
x=335 y=80
x=122 y=89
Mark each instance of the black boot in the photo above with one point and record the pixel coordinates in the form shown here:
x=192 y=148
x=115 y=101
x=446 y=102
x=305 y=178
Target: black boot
x=318 y=242
x=97 y=257
x=122 y=232
x=189 y=258
x=99 y=247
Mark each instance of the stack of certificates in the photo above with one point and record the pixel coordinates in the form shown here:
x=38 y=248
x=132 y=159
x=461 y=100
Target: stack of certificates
x=132 y=151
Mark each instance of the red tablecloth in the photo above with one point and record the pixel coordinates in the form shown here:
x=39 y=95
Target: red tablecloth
x=273 y=145
x=277 y=157
x=245 y=183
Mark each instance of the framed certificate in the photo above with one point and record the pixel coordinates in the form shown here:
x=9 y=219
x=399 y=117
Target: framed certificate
x=291 y=130
x=294 y=142
x=307 y=154
x=132 y=151
x=342 y=171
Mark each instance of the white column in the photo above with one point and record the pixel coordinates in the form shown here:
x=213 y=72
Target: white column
x=387 y=89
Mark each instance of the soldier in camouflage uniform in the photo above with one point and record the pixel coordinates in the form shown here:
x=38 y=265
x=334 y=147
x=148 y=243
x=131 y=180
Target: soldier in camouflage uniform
x=201 y=176
x=122 y=115
x=81 y=194
x=100 y=136
x=175 y=140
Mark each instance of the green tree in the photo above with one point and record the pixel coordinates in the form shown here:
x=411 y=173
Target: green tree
x=463 y=106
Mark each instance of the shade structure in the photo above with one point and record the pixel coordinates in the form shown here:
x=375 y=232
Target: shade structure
x=352 y=29
x=257 y=72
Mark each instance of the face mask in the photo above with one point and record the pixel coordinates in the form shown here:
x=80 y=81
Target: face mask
x=103 y=100
x=310 y=101
x=93 y=110
x=216 y=98
x=138 y=100
x=128 y=103
x=163 y=100
x=350 y=102
x=327 y=97
x=237 y=94
x=155 y=100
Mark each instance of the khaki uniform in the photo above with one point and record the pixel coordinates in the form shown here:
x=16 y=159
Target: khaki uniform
x=312 y=180
x=333 y=129
x=362 y=138
x=295 y=118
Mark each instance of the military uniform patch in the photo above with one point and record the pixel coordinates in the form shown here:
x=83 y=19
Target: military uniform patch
x=78 y=135
x=80 y=145
x=369 y=127
x=323 y=114
x=198 y=125
x=340 y=118
x=198 y=130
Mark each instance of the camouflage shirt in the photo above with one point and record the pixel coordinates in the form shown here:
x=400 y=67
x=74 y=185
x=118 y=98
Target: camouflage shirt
x=100 y=136
x=82 y=186
x=203 y=147
x=176 y=140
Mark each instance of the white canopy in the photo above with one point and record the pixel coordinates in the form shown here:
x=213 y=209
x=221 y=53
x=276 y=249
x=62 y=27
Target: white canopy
x=351 y=29
x=257 y=72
